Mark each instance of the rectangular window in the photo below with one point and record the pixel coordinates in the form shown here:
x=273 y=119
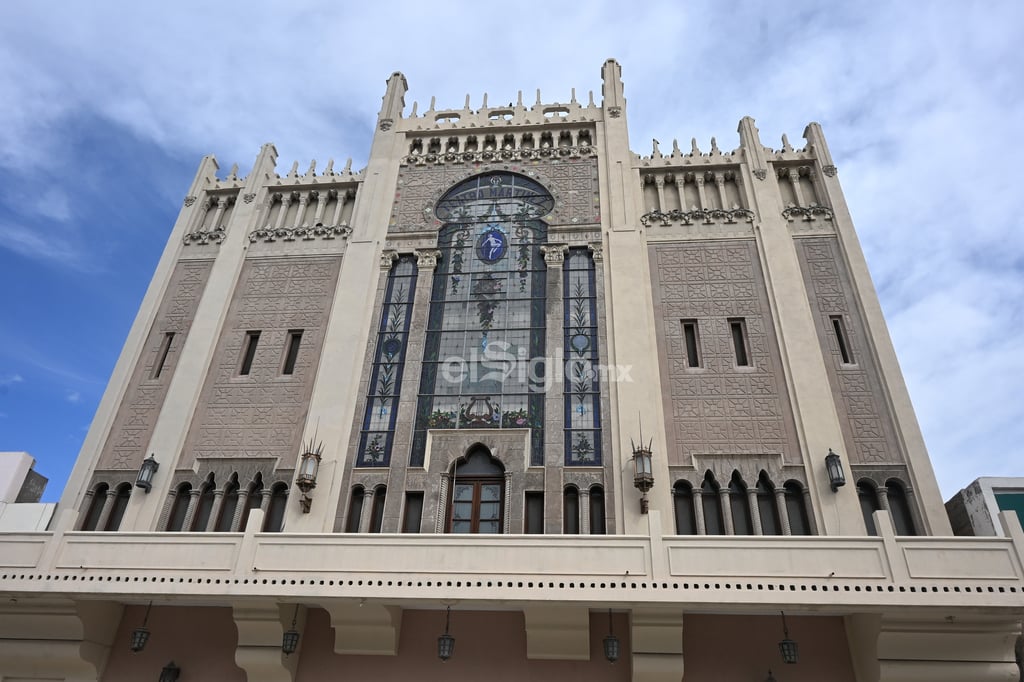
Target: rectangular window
x=841 y=340
x=165 y=347
x=292 y=353
x=738 y=327
x=252 y=338
x=534 y=512
x=692 y=339
x=413 y=512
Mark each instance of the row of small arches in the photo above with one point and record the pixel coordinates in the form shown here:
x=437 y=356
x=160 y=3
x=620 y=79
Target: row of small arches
x=737 y=509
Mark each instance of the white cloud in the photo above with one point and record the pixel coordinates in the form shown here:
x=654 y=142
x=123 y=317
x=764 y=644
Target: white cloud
x=73 y=396
x=10 y=379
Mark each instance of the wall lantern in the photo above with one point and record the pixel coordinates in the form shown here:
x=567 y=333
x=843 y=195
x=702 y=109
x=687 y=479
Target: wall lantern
x=446 y=643
x=770 y=678
x=309 y=465
x=787 y=647
x=146 y=473
x=290 y=641
x=611 y=642
x=140 y=635
x=643 y=476
x=834 y=466
x=170 y=673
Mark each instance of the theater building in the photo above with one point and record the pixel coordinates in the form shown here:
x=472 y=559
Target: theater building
x=515 y=390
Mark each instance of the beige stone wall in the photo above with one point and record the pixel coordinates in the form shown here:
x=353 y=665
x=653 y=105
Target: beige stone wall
x=126 y=445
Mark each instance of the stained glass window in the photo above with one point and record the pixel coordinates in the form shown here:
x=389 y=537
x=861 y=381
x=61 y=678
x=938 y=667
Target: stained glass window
x=483 y=356
x=388 y=362
x=582 y=387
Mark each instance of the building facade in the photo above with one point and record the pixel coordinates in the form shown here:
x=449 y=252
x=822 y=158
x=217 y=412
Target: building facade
x=372 y=407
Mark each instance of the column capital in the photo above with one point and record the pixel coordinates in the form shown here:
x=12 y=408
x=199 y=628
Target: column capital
x=387 y=258
x=554 y=254
x=427 y=258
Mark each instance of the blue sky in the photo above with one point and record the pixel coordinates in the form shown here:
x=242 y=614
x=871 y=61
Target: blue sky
x=107 y=108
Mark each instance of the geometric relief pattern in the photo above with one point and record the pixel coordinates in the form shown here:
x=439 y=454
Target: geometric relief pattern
x=261 y=414
x=573 y=183
x=719 y=407
x=136 y=416
x=865 y=421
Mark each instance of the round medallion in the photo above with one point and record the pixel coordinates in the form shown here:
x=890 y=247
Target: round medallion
x=492 y=245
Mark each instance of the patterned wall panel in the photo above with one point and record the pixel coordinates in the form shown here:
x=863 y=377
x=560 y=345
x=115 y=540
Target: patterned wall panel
x=136 y=417
x=572 y=182
x=857 y=386
x=718 y=407
x=261 y=414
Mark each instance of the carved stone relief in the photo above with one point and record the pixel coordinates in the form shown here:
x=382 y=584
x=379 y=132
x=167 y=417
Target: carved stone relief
x=572 y=182
x=136 y=417
x=261 y=414
x=719 y=407
x=864 y=417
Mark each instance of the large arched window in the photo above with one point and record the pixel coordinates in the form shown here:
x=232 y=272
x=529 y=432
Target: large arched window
x=487 y=312
x=713 y=521
x=476 y=500
x=867 y=494
x=899 y=507
x=766 y=507
x=740 y=506
x=682 y=499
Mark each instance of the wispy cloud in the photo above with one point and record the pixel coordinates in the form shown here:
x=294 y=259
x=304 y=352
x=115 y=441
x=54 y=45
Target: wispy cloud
x=48 y=247
x=73 y=396
x=10 y=379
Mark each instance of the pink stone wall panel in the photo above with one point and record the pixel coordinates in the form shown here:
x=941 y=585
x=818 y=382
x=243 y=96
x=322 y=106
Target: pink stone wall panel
x=200 y=640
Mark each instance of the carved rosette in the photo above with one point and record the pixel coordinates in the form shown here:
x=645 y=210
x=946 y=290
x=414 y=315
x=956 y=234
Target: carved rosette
x=305 y=233
x=488 y=155
x=701 y=215
x=202 y=237
x=808 y=213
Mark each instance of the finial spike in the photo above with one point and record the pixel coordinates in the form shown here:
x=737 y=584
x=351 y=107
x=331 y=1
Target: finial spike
x=538 y=95
x=485 y=101
x=415 y=106
x=466 y=106
x=572 y=98
x=519 y=99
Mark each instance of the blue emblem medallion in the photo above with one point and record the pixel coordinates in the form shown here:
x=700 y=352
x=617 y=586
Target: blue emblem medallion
x=492 y=245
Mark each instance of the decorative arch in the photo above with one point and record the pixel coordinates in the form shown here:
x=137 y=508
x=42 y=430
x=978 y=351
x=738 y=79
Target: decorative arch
x=739 y=503
x=867 y=495
x=476 y=501
x=682 y=500
x=714 y=522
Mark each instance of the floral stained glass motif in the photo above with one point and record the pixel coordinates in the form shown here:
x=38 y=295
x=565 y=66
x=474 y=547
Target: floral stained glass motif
x=582 y=387
x=483 y=354
x=389 y=361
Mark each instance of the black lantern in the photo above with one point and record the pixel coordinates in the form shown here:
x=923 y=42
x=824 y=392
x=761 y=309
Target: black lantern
x=770 y=678
x=170 y=673
x=446 y=643
x=290 y=641
x=309 y=465
x=611 y=642
x=834 y=466
x=140 y=635
x=787 y=647
x=643 y=475
x=146 y=473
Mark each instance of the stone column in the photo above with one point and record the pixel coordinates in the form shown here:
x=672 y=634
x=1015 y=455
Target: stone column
x=554 y=371
x=755 y=511
x=780 y=505
x=190 y=513
x=698 y=511
x=723 y=498
x=108 y=507
x=241 y=509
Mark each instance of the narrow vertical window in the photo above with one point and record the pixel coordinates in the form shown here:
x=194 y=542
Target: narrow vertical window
x=292 y=354
x=739 y=503
x=571 y=510
x=868 y=497
x=738 y=328
x=182 y=496
x=165 y=347
x=899 y=507
x=377 y=511
x=682 y=499
x=597 y=524
x=796 y=510
x=582 y=401
x=534 y=512
x=252 y=339
x=691 y=337
x=413 y=512
x=99 y=498
x=274 y=522
x=355 y=510
x=714 y=523
x=841 y=340
x=124 y=492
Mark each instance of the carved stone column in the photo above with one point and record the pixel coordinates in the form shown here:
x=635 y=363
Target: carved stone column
x=554 y=447
x=755 y=511
x=698 y=511
x=241 y=509
x=780 y=506
x=218 y=502
x=190 y=513
x=723 y=498
x=108 y=507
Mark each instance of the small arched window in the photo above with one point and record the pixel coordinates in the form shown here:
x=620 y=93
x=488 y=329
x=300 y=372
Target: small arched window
x=228 y=506
x=124 y=493
x=597 y=522
x=571 y=510
x=767 y=510
x=867 y=495
x=355 y=509
x=740 y=506
x=254 y=499
x=682 y=500
x=275 y=510
x=202 y=518
x=713 y=522
x=179 y=509
x=99 y=498
x=899 y=507
x=796 y=508
x=377 y=511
